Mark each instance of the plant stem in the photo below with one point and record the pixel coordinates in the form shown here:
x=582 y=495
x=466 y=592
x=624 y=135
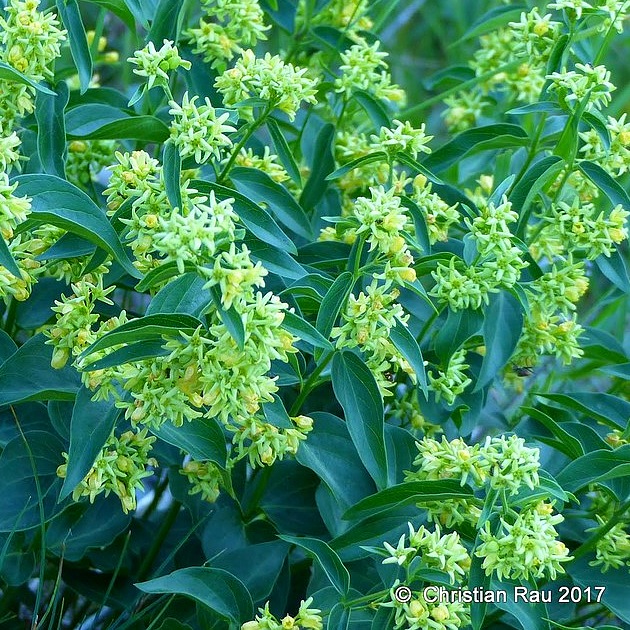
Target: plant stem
x=249 y=130
x=167 y=523
x=602 y=531
x=532 y=152
x=310 y=384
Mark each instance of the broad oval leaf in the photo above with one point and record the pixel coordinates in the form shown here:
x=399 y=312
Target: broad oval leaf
x=259 y=187
x=407 y=345
x=147 y=327
x=302 y=329
x=407 y=493
x=28 y=375
x=333 y=302
x=51 y=130
x=258 y=221
x=497 y=136
x=501 y=330
x=203 y=439
x=79 y=47
x=328 y=559
x=92 y=423
x=62 y=204
x=219 y=590
x=358 y=393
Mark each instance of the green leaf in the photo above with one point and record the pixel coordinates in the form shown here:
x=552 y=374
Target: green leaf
x=9 y=73
x=171 y=170
x=302 y=329
x=258 y=221
x=358 y=393
x=95 y=121
x=333 y=302
x=406 y=494
x=323 y=165
x=28 y=375
x=19 y=508
x=164 y=24
x=596 y=466
x=407 y=345
x=257 y=566
x=501 y=330
x=565 y=442
x=330 y=453
x=120 y=9
x=497 y=136
x=7 y=260
x=328 y=559
x=612 y=189
x=460 y=326
x=219 y=590
x=608 y=409
x=51 y=130
x=274 y=260
x=259 y=187
x=284 y=152
x=535 y=179
x=162 y=273
x=530 y=616
x=379 y=156
x=615 y=582
x=71 y=16
x=183 y=295
x=83 y=526
x=373 y=108
x=419 y=223
x=203 y=440
x=62 y=204
x=492 y=20
x=615 y=269
x=92 y=423
x=133 y=352
x=147 y=327
x=231 y=319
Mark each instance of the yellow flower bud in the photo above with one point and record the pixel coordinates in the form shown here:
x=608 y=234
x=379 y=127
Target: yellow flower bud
x=440 y=613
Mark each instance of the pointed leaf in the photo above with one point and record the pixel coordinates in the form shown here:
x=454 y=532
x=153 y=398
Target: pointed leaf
x=358 y=393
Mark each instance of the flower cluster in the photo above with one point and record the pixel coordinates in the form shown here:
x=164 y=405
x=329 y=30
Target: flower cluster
x=205 y=478
x=87 y=158
x=402 y=138
x=198 y=131
x=438 y=214
x=498 y=263
x=612 y=550
x=363 y=67
x=305 y=619
x=155 y=65
x=30 y=40
x=119 y=468
x=405 y=409
x=368 y=320
x=73 y=330
x=268 y=78
x=513 y=61
x=453 y=381
x=614 y=158
x=236 y=23
x=524 y=545
x=584 y=83
x=442 y=552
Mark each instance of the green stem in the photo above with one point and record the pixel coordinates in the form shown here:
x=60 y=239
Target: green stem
x=602 y=531
x=310 y=384
x=263 y=479
x=249 y=130
x=532 y=152
x=159 y=539
x=9 y=322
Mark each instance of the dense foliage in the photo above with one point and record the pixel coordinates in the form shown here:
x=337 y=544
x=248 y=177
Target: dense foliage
x=282 y=348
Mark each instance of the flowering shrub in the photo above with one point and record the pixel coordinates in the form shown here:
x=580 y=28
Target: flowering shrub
x=282 y=348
